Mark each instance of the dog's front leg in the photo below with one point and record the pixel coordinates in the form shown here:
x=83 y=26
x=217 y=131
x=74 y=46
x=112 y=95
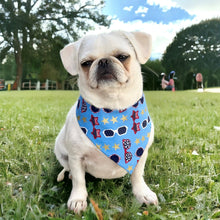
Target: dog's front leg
x=77 y=200
x=140 y=189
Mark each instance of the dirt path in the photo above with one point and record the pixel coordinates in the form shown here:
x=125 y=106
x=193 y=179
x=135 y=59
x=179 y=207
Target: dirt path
x=214 y=90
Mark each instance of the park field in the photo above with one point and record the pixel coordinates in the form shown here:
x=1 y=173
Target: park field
x=183 y=165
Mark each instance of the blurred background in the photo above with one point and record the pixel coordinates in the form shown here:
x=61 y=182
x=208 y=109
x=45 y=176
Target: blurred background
x=186 y=39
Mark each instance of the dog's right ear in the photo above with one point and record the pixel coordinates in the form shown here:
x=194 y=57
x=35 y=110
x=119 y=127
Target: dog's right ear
x=142 y=44
x=69 y=57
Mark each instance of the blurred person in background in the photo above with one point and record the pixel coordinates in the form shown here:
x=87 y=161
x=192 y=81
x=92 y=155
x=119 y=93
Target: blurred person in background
x=164 y=82
x=171 y=84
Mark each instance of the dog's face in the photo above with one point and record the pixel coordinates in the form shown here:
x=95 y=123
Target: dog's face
x=104 y=61
x=108 y=62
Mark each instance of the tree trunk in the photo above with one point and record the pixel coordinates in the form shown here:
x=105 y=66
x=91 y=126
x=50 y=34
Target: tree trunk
x=18 y=60
x=19 y=70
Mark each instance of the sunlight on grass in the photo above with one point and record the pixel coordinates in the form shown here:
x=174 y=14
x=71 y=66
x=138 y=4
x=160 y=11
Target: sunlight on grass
x=187 y=184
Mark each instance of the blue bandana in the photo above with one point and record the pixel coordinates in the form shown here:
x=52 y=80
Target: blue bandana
x=122 y=135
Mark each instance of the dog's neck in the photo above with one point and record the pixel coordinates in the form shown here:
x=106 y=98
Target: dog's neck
x=115 y=100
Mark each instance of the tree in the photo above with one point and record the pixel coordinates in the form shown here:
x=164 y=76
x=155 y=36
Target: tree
x=24 y=22
x=195 y=49
x=48 y=58
x=7 y=68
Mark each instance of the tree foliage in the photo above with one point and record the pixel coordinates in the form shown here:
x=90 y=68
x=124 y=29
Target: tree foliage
x=195 y=49
x=7 y=68
x=28 y=25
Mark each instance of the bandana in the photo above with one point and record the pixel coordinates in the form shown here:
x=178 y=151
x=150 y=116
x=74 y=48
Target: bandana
x=122 y=135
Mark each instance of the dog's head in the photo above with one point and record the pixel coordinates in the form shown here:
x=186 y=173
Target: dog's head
x=108 y=66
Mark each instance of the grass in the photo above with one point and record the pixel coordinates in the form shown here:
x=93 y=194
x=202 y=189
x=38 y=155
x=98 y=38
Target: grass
x=187 y=185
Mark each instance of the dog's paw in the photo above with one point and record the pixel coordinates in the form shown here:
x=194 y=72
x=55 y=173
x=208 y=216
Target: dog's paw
x=77 y=205
x=77 y=202
x=144 y=195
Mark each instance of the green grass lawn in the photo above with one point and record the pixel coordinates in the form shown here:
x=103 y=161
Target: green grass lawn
x=187 y=185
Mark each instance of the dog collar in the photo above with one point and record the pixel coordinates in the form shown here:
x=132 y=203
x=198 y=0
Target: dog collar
x=122 y=135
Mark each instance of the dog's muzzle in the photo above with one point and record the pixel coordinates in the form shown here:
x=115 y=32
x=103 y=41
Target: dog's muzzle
x=105 y=70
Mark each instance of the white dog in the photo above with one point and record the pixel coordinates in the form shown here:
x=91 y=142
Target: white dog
x=108 y=131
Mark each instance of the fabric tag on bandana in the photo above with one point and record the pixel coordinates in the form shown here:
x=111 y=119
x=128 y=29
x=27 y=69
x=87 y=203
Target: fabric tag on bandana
x=122 y=135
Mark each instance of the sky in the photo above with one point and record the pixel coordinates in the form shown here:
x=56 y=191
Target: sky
x=160 y=18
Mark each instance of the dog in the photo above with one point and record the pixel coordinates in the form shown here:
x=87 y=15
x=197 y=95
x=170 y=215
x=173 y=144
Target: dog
x=108 y=131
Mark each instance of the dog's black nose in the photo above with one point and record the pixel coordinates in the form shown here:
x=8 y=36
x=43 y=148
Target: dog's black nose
x=103 y=63
x=105 y=70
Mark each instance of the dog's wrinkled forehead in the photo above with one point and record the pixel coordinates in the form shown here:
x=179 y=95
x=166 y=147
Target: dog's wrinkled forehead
x=103 y=45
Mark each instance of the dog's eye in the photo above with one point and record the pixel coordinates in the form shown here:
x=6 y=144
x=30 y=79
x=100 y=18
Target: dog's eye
x=87 y=63
x=122 y=58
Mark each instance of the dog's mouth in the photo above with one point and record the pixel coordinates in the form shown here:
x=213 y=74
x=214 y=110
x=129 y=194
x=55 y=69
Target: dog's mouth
x=105 y=70
x=106 y=76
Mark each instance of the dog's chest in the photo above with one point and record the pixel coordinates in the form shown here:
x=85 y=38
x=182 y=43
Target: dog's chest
x=121 y=135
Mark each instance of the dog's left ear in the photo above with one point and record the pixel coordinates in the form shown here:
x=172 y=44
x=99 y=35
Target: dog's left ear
x=69 y=57
x=142 y=43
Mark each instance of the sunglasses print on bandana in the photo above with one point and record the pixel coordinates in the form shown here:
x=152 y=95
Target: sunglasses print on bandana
x=96 y=133
x=141 y=100
x=94 y=120
x=84 y=106
x=84 y=130
x=108 y=133
x=123 y=110
x=134 y=115
x=78 y=104
x=107 y=110
x=145 y=122
x=127 y=145
x=139 y=152
x=94 y=109
x=115 y=158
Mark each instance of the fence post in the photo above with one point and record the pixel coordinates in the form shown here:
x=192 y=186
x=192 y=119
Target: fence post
x=47 y=84
x=38 y=85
